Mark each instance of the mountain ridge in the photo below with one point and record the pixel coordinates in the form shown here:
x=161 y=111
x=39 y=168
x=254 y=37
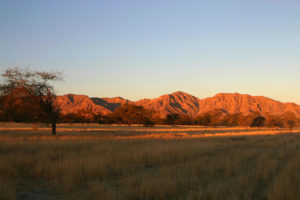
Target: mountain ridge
x=181 y=103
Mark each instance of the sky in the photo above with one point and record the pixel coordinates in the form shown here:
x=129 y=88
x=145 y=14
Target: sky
x=147 y=48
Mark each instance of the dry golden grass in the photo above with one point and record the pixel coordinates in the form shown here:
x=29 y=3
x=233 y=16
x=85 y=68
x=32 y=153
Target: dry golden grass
x=227 y=167
x=7 y=189
x=19 y=131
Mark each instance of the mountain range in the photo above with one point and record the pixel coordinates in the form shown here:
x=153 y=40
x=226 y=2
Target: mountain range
x=181 y=103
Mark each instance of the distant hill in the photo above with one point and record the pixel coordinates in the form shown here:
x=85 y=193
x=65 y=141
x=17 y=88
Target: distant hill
x=182 y=103
x=178 y=102
x=110 y=103
x=72 y=103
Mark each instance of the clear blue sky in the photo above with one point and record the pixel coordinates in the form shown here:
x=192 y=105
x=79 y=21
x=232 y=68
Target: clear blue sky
x=143 y=49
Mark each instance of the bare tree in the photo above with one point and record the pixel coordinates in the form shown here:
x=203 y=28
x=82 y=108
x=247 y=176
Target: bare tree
x=32 y=91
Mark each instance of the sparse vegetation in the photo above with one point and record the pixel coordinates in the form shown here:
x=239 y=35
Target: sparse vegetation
x=232 y=167
x=132 y=114
x=138 y=115
x=171 y=119
x=258 y=121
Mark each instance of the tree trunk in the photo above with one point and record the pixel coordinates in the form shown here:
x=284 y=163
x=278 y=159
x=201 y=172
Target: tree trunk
x=53 y=126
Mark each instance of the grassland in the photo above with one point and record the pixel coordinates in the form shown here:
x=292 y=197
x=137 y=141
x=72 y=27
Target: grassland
x=119 y=162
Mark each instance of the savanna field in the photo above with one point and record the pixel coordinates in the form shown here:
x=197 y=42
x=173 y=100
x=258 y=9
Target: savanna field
x=90 y=161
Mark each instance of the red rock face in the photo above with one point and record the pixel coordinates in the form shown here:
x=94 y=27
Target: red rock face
x=178 y=102
x=241 y=103
x=79 y=103
x=182 y=103
x=110 y=103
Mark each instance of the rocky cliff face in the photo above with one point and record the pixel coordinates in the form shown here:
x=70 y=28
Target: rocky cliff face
x=182 y=103
x=71 y=103
x=110 y=103
x=242 y=103
x=178 y=102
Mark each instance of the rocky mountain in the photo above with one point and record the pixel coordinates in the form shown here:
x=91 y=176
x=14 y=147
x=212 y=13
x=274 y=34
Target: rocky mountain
x=182 y=103
x=232 y=103
x=178 y=102
x=246 y=104
x=71 y=103
x=110 y=103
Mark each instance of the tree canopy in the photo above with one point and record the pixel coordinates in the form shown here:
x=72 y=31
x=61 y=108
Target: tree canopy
x=29 y=95
x=132 y=114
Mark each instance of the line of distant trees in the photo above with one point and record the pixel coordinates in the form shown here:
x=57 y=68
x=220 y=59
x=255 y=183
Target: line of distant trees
x=132 y=114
